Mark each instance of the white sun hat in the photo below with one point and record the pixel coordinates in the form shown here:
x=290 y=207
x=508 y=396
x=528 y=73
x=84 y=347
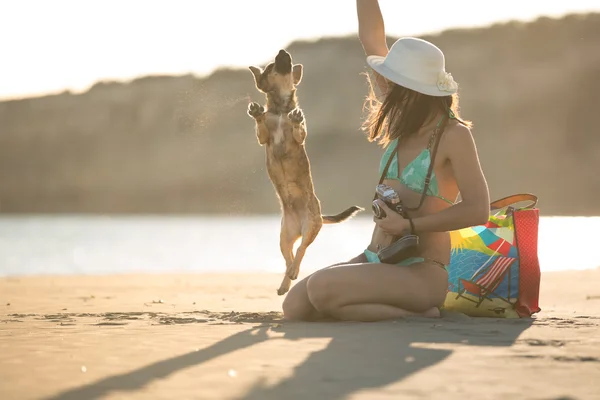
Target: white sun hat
x=416 y=64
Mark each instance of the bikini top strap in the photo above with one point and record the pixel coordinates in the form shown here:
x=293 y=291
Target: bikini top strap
x=387 y=165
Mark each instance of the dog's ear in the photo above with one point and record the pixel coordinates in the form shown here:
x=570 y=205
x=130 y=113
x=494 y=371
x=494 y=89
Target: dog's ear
x=297 y=73
x=257 y=72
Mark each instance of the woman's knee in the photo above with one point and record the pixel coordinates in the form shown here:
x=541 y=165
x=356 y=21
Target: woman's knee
x=296 y=306
x=293 y=309
x=320 y=291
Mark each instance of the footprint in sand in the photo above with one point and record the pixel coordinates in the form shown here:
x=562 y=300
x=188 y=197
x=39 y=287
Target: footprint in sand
x=121 y=316
x=576 y=359
x=179 y=320
x=539 y=342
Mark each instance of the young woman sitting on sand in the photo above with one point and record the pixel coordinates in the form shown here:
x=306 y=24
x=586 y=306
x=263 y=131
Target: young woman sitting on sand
x=420 y=106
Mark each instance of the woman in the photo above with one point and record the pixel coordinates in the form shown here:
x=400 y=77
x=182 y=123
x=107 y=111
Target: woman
x=419 y=108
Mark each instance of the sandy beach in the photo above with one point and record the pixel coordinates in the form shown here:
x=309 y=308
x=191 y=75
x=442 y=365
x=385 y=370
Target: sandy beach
x=211 y=336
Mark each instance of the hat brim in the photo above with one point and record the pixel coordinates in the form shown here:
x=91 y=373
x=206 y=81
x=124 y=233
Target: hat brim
x=377 y=63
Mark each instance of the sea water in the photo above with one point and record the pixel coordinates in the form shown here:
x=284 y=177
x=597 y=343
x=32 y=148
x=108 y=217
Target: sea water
x=76 y=244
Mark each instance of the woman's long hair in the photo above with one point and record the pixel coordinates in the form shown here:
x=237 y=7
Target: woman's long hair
x=403 y=112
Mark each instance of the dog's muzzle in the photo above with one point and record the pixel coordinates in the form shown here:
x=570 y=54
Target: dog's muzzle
x=283 y=62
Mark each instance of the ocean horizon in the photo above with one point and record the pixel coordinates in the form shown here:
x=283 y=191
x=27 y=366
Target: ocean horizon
x=115 y=244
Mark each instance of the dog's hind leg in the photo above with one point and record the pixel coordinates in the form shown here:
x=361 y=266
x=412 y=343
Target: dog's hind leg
x=285 y=285
x=309 y=234
x=289 y=234
x=296 y=117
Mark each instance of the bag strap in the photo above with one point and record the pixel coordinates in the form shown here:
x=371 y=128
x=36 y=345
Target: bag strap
x=515 y=198
x=436 y=137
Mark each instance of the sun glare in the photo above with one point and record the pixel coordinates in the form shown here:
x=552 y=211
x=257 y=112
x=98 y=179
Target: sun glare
x=70 y=44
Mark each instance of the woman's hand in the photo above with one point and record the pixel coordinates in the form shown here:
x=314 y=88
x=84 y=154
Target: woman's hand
x=393 y=223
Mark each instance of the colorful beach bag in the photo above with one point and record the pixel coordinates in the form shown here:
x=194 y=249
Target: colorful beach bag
x=494 y=269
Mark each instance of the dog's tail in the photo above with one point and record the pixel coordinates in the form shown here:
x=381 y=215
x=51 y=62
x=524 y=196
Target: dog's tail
x=344 y=215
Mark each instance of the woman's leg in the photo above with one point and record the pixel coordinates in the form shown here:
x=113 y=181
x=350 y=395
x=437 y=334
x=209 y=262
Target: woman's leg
x=379 y=312
x=374 y=292
x=296 y=305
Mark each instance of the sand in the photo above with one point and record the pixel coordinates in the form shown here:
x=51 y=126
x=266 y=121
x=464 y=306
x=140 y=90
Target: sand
x=222 y=337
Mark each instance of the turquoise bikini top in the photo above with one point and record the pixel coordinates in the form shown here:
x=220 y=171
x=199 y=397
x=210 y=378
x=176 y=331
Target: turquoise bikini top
x=414 y=174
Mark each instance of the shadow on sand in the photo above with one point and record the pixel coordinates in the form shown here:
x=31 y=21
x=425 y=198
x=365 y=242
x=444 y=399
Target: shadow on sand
x=374 y=356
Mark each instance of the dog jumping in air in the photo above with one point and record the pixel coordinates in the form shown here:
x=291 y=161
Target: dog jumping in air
x=281 y=129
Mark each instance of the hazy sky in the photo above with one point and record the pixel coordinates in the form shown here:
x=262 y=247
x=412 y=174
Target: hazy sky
x=52 y=45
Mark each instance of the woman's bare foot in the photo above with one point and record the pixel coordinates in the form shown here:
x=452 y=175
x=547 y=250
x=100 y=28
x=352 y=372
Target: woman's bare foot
x=432 y=313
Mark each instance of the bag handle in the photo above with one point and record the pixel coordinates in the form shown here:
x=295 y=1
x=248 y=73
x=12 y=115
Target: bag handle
x=515 y=198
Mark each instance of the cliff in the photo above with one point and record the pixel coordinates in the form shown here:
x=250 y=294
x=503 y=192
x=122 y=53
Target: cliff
x=183 y=144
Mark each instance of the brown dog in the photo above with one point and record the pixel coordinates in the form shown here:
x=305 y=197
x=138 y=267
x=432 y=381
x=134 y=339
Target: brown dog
x=281 y=128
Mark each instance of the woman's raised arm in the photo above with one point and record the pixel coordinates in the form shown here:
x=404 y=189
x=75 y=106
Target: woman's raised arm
x=371 y=29
x=371 y=33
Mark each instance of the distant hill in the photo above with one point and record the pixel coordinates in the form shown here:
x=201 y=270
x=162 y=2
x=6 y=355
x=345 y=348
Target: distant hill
x=181 y=144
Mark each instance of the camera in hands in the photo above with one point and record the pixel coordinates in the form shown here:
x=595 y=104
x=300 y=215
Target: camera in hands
x=390 y=197
x=404 y=246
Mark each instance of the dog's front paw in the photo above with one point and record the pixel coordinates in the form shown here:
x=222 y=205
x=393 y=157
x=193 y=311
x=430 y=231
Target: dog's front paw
x=296 y=116
x=255 y=110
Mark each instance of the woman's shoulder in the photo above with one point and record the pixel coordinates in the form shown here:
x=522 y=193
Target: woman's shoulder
x=455 y=130
x=457 y=138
